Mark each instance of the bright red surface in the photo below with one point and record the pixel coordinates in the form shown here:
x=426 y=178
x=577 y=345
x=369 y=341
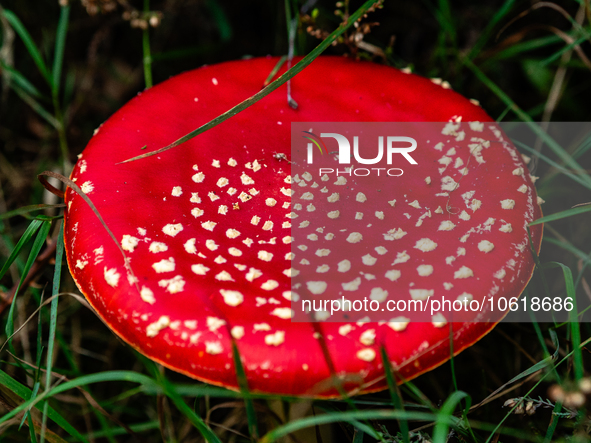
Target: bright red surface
x=140 y=195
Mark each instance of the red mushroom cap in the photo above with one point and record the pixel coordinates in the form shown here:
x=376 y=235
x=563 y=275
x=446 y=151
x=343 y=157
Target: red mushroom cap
x=207 y=231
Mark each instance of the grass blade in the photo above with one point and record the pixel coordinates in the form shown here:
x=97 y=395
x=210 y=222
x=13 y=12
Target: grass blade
x=37 y=383
x=452 y=364
x=31 y=428
x=253 y=426
x=574 y=323
x=527 y=46
x=358 y=437
x=37 y=245
x=553 y=422
x=486 y=33
x=147 y=58
x=446 y=21
x=445 y=415
x=31 y=208
x=297 y=68
x=37 y=107
x=60 y=43
x=347 y=417
x=559 y=53
x=552 y=163
x=163 y=386
x=138 y=427
x=394 y=394
x=542 y=378
x=27 y=415
x=221 y=20
x=275 y=70
x=570 y=248
x=108 y=376
x=197 y=421
x=555 y=147
x=20 y=80
x=583 y=147
x=200 y=390
x=20 y=29
x=560 y=215
x=25 y=238
x=11 y=385
x=53 y=322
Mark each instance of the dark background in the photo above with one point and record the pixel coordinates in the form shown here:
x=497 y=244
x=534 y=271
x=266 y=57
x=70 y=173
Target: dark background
x=103 y=69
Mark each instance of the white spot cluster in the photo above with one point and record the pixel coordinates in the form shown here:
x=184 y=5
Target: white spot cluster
x=336 y=228
x=217 y=225
x=353 y=240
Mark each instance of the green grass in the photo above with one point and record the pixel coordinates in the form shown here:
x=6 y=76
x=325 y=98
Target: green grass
x=54 y=383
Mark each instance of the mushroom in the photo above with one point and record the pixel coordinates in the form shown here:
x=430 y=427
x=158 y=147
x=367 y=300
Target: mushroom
x=210 y=230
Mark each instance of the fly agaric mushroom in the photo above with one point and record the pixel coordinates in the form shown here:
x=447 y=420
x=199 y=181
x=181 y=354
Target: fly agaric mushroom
x=207 y=228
